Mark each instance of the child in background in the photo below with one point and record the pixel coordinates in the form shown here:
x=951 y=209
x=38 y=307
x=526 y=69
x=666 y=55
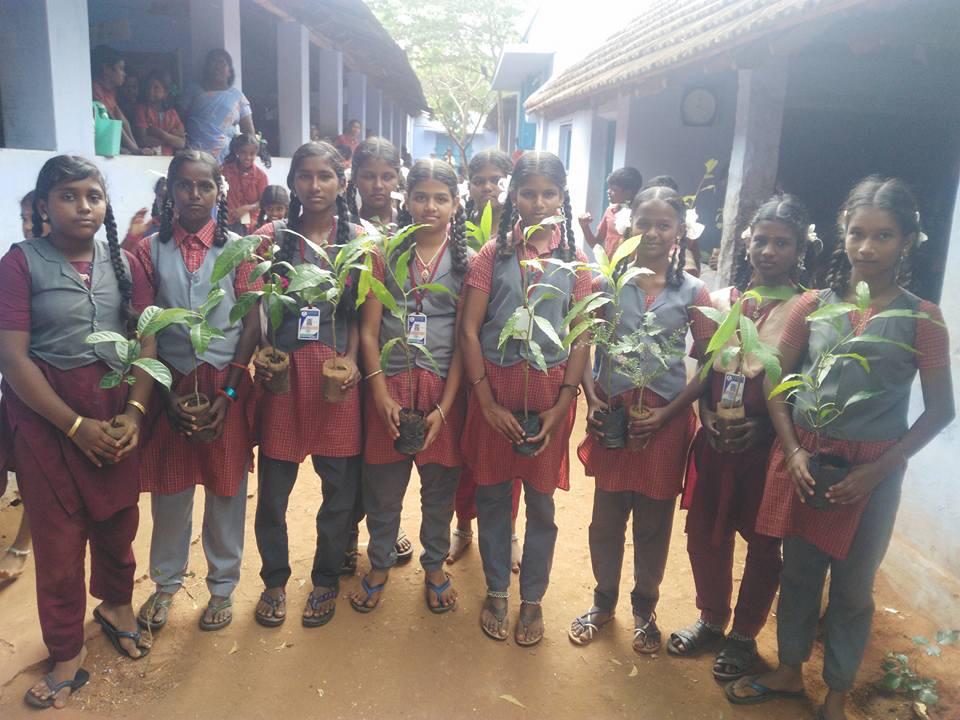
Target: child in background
x=495 y=286
x=274 y=204
x=622 y=185
x=246 y=183
x=645 y=482
x=881 y=226
x=109 y=72
x=178 y=262
x=726 y=475
x=140 y=226
x=301 y=423
x=79 y=484
x=155 y=124
x=440 y=256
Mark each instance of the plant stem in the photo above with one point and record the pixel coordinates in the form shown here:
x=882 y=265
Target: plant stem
x=526 y=384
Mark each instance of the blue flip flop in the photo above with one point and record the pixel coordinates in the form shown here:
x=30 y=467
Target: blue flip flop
x=439 y=590
x=765 y=693
x=370 y=590
x=79 y=680
x=314 y=602
x=116 y=635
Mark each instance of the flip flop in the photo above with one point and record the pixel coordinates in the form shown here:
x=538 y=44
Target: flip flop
x=314 y=602
x=271 y=621
x=370 y=590
x=500 y=615
x=587 y=628
x=438 y=590
x=214 y=609
x=115 y=635
x=404 y=548
x=79 y=680
x=765 y=693
x=151 y=604
x=521 y=623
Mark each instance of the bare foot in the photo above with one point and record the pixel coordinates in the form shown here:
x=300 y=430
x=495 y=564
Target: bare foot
x=783 y=679
x=123 y=619
x=11 y=564
x=493 y=617
x=360 y=597
x=461 y=540
x=62 y=671
x=833 y=706
x=447 y=598
x=276 y=611
x=529 y=630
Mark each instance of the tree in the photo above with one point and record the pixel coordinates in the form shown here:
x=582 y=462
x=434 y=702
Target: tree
x=454 y=47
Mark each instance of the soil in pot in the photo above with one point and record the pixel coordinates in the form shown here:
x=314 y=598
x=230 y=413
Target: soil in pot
x=635 y=444
x=335 y=374
x=613 y=425
x=198 y=405
x=278 y=363
x=531 y=425
x=413 y=432
x=727 y=416
x=827 y=471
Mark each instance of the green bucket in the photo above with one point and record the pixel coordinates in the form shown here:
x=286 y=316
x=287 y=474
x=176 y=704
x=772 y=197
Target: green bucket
x=106 y=131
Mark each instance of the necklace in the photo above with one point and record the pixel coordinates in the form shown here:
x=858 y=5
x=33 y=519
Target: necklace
x=428 y=264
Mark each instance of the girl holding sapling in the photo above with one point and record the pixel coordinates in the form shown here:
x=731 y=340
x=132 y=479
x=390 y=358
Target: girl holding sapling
x=727 y=466
x=413 y=406
x=78 y=481
x=302 y=421
x=891 y=335
x=192 y=445
x=505 y=279
x=656 y=309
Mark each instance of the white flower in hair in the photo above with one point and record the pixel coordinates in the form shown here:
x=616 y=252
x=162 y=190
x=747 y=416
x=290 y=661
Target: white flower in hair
x=504 y=185
x=745 y=235
x=622 y=221
x=404 y=171
x=694 y=227
x=813 y=239
x=921 y=235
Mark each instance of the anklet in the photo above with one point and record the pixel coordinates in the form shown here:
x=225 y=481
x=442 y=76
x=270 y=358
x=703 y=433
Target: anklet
x=530 y=602
x=17 y=552
x=499 y=594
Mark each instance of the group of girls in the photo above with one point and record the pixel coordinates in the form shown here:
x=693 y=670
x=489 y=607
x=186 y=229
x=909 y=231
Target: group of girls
x=80 y=483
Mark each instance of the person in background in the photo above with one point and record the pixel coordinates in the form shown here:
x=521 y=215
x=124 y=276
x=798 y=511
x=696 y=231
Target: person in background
x=350 y=139
x=216 y=109
x=109 y=73
x=274 y=204
x=140 y=225
x=246 y=182
x=315 y=135
x=346 y=152
x=622 y=185
x=129 y=93
x=155 y=124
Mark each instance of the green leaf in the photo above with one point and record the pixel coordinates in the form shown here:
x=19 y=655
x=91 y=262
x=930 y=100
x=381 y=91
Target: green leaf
x=900 y=314
x=576 y=332
x=537 y=352
x=603 y=262
x=259 y=271
x=155 y=369
x=860 y=397
x=771 y=363
x=103 y=336
x=166 y=318
x=880 y=340
x=401 y=268
x=891 y=681
x=547 y=329
x=627 y=248
x=214 y=298
x=786 y=386
x=243 y=305
x=422 y=349
x=394 y=242
x=435 y=288
x=749 y=337
x=934 y=651
x=111 y=379
x=863 y=296
x=289 y=304
x=928 y=696
x=948 y=637
x=585 y=306
x=387 y=349
x=511 y=329
x=146 y=316
x=864 y=363
x=308 y=276
x=728 y=355
x=828 y=312
x=486 y=223
x=275 y=310
x=380 y=292
x=234 y=253
x=200 y=336
x=363 y=287
x=629 y=275
x=726 y=330
x=771 y=292
x=711 y=313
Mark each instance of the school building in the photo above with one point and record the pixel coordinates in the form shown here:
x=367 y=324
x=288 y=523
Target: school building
x=298 y=62
x=805 y=96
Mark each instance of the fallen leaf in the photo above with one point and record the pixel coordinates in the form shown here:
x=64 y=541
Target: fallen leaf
x=512 y=699
x=284 y=645
x=634 y=672
x=234 y=649
x=320 y=692
x=615 y=661
x=892 y=611
x=920 y=710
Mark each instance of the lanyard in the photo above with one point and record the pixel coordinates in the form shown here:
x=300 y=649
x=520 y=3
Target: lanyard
x=417 y=294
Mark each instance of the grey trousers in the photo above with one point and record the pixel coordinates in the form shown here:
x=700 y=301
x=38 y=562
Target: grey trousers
x=850 y=605
x=494 y=518
x=339 y=480
x=652 y=524
x=222 y=537
x=383 y=489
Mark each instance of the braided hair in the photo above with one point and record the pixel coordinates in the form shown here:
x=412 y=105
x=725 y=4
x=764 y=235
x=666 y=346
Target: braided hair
x=167 y=215
x=551 y=167
x=67 y=168
x=272 y=195
x=672 y=198
x=239 y=142
x=373 y=148
x=895 y=197
x=787 y=210
x=159 y=193
x=499 y=159
x=443 y=172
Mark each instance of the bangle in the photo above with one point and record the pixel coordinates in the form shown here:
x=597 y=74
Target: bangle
x=442 y=416
x=138 y=406
x=797 y=449
x=76 y=426
x=240 y=366
x=474 y=383
x=373 y=374
x=229 y=393
x=575 y=388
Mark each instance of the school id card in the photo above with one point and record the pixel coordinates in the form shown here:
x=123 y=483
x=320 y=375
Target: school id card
x=732 y=395
x=417 y=329
x=309 y=327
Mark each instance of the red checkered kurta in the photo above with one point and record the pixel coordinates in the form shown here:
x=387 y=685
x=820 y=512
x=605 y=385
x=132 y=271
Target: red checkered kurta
x=428 y=387
x=781 y=512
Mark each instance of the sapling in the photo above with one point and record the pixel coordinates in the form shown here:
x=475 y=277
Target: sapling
x=478 y=234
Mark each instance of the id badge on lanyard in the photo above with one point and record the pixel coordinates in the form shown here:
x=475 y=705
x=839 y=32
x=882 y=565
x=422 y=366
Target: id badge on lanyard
x=732 y=395
x=309 y=327
x=417 y=328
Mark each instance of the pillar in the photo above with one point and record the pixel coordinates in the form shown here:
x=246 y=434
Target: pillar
x=374 y=101
x=330 y=88
x=215 y=24
x=386 y=120
x=755 y=154
x=293 y=86
x=399 y=134
x=356 y=99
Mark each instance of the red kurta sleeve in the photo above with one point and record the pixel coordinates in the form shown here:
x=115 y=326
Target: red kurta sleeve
x=480 y=274
x=14 y=291
x=143 y=291
x=796 y=333
x=932 y=341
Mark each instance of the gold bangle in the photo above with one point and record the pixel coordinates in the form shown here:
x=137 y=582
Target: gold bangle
x=73 y=428
x=374 y=374
x=474 y=383
x=442 y=416
x=138 y=406
x=795 y=451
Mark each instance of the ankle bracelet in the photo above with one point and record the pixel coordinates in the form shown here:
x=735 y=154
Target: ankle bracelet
x=499 y=594
x=17 y=552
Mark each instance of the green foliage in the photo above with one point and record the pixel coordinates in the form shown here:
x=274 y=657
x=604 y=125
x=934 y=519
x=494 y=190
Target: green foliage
x=899 y=677
x=632 y=354
x=478 y=234
x=707 y=182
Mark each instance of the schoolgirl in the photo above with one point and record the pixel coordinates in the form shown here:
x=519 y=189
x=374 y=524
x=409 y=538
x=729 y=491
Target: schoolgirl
x=246 y=183
x=622 y=186
x=726 y=474
x=274 y=204
x=439 y=257
x=179 y=261
x=880 y=226
x=495 y=286
x=155 y=124
x=301 y=422
x=78 y=482
x=645 y=482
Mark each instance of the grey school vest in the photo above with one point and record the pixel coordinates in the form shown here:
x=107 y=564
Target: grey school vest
x=892 y=369
x=63 y=310
x=287 y=339
x=441 y=311
x=178 y=287
x=506 y=295
x=671 y=308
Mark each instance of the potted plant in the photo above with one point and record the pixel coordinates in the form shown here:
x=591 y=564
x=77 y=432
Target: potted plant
x=817 y=406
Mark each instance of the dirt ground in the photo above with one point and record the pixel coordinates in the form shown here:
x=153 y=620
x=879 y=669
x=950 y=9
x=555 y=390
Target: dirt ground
x=403 y=662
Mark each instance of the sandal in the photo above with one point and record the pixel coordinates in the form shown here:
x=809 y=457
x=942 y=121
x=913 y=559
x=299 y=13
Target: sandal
x=79 y=680
x=115 y=635
x=314 y=602
x=403 y=547
x=370 y=590
x=214 y=608
x=439 y=590
x=351 y=556
x=764 y=695
x=272 y=620
x=500 y=615
x=461 y=540
x=647 y=639
x=692 y=640
x=736 y=659
x=516 y=553
x=524 y=624
x=583 y=630
x=147 y=612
